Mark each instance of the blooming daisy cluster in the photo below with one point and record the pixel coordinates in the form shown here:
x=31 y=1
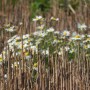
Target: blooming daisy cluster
x=10 y=28
x=47 y=41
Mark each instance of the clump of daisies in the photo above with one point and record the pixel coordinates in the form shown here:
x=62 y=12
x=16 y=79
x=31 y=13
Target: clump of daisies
x=47 y=41
x=10 y=28
x=44 y=42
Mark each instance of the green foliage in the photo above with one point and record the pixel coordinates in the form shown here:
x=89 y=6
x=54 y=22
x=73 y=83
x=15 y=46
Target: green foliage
x=43 y=6
x=14 y=2
x=39 y=6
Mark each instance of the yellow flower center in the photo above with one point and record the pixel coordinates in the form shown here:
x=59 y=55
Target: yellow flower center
x=26 y=53
x=77 y=36
x=65 y=33
x=88 y=39
x=85 y=47
x=0 y=59
x=35 y=65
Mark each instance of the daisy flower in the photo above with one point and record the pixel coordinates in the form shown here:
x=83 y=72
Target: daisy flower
x=82 y=26
x=55 y=19
x=41 y=27
x=66 y=33
x=50 y=30
x=37 y=18
x=11 y=29
x=56 y=32
x=67 y=48
x=77 y=37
